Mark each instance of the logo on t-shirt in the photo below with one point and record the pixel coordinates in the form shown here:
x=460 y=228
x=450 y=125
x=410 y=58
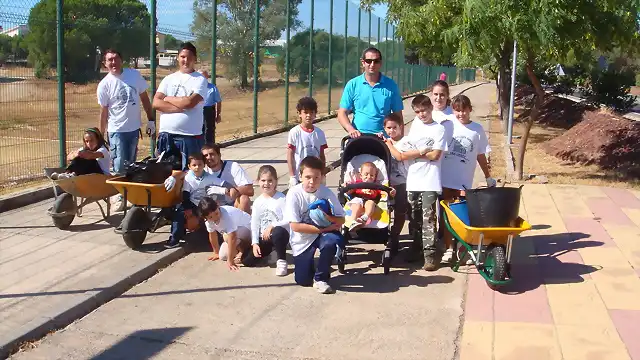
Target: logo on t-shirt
x=179 y=90
x=267 y=218
x=126 y=95
x=461 y=146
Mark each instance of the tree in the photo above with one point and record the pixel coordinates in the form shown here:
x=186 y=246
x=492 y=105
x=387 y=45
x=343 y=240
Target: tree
x=299 y=57
x=482 y=32
x=171 y=43
x=89 y=25
x=235 y=22
x=12 y=48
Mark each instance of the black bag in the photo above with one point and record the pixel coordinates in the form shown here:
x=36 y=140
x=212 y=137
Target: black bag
x=148 y=171
x=493 y=206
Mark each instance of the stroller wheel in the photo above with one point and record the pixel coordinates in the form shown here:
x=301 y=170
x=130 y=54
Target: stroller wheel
x=342 y=261
x=386 y=261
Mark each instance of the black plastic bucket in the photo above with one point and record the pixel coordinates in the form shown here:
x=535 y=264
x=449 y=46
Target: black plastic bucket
x=493 y=206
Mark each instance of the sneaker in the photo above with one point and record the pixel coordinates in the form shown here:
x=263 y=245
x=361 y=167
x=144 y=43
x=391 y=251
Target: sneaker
x=172 y=244
x=430 y=264
x=447 y=256
x=322 y=287
x=281 y=268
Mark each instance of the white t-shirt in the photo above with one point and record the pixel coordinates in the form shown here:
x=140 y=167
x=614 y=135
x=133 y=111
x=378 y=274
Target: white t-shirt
x=267 y=211
x=197 y=187
x=104 y=161
x=445 y=118
x=233 y=174
x=188 y=122
x=399 y=168
x=306 y=143
x=232 y=219
x=121 y=94
x=459 y=164
x=424 y=174
x=297 y=210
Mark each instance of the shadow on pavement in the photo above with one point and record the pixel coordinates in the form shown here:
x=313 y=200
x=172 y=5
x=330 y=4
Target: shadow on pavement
x=142 y=344
x=556 y=261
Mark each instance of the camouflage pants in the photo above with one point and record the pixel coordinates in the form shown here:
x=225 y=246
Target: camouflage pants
x=423 y=215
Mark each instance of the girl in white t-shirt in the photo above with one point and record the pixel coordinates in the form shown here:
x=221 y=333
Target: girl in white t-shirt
x=92 y=158
x=469 y=146
x=269 y=230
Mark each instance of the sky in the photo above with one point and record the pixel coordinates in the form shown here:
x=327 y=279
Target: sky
x=175 y=16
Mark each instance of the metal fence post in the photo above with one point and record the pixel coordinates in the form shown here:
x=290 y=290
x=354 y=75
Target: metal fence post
x=153 y=65
x=62 y=126
x=393 y=53
x=286 y=66
x=256 y=58
x=311 y=51
x=346 y=37
x=359 y=41
x=378 y=43
x=214 y=39
x=369 y=28
x=386 y=46
x=330 y=71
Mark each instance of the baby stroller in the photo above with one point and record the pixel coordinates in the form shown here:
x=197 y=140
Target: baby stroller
x=355 y=152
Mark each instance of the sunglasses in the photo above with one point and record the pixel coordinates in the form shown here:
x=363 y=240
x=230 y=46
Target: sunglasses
x=369 y=61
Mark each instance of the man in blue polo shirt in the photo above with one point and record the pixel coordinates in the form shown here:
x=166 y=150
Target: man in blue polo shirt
x=370 y=97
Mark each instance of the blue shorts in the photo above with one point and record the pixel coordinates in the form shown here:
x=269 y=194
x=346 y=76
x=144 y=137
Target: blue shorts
x=186 y=144
x=124 y=149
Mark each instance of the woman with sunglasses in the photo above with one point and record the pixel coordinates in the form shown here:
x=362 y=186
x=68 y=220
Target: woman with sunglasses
x=370 y=97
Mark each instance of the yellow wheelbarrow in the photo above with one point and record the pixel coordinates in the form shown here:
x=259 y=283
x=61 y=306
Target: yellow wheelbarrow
x=489 y=248
x=139 y=220
x=79 y=191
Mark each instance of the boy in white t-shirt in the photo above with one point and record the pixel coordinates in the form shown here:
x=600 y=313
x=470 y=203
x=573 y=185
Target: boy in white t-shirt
x=197 y=184
x=394 y=127
x=423 y=182
x=468 y=147
x=306 y=238
x=235 y=227
x=305 y=139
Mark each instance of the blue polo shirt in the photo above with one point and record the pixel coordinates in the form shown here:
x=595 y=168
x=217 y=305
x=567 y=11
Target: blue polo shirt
x=370 y=104
x=213 y=95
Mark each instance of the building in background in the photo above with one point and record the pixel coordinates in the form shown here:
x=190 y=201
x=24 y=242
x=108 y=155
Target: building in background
x=20 y=30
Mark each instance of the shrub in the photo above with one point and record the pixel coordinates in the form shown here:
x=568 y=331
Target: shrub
x=611 y=87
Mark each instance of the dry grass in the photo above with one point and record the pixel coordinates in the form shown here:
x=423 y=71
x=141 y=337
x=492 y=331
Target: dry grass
x=29 y=125
x=538 y=162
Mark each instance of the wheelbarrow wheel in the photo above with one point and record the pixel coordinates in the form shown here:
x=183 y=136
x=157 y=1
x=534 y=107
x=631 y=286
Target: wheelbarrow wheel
x=134 y=227
x=63 y=204
x=495 y=265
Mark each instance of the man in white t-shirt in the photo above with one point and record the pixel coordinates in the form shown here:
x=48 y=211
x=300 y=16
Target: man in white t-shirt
x=120 y=94
x=304 y=139
x=180 y=99
x=233 y=174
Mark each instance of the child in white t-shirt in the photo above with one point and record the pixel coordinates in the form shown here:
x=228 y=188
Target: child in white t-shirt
x=423 y=181
x=306 y=238
x=235 y=227
x=197 y=184
x=92 y=158
x=269 y=230
x=469 y=146
x=394 y=127
x=304 y=139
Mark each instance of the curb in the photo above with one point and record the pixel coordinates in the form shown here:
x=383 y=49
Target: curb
x=84 y=304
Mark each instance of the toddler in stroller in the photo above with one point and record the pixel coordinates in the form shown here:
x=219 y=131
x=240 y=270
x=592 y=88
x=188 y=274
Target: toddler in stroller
x=364 y=193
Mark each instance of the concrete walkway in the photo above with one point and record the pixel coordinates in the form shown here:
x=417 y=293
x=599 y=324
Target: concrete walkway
x=52 y=277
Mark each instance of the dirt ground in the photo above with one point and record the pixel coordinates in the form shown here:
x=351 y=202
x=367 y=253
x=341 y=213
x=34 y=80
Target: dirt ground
x=539 y=162
x=29 y=125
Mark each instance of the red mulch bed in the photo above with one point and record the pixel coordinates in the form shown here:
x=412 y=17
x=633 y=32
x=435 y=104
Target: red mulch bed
x=601 y=138
x=556 y=111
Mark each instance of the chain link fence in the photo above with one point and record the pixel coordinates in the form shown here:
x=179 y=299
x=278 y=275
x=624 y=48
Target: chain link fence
x=298 y=48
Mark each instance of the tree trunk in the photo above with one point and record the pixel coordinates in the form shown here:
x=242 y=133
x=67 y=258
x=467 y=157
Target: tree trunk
x=533 y=115
x=244 y=72
x=505 y=80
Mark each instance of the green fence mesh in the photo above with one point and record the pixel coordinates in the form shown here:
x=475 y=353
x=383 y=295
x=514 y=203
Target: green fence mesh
x=31 y=99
